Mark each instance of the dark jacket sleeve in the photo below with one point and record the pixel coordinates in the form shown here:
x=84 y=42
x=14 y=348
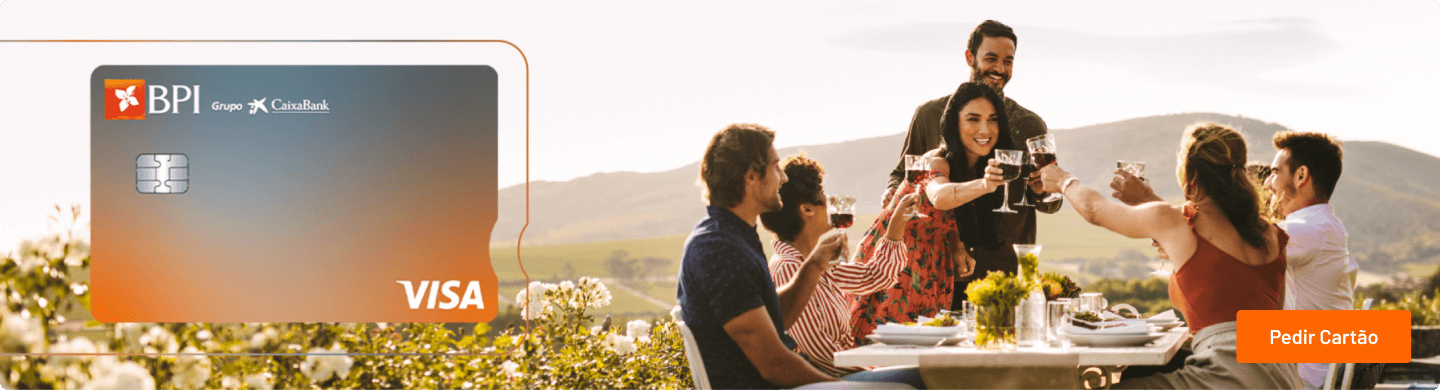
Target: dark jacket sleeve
x=911 y=138
x=918 y=139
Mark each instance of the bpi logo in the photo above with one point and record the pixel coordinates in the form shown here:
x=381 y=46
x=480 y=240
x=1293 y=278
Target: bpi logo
x=126 y=98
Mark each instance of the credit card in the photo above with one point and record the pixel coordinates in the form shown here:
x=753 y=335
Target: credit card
x=293 y=193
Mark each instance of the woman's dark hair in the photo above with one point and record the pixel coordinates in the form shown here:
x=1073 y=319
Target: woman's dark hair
x=1212 y=157
x=975 y=221
x=804 y=187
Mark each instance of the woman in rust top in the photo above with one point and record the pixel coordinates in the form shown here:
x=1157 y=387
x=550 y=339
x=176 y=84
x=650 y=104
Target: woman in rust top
x=1227 y=258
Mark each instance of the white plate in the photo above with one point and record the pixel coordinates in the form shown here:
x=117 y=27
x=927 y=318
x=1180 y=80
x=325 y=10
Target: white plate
x=915 y=339
x=1114 y=340
x=1167 y=316
x=917 y=330
x=1164 y=326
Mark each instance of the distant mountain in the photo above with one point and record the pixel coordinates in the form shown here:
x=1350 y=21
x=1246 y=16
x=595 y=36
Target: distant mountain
x=1387 y=195
x=622 y=205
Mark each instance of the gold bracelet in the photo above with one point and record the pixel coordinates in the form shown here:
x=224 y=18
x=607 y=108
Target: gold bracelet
x=1066 y=184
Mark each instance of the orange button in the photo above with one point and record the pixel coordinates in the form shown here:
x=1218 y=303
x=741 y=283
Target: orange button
x=1322 y=336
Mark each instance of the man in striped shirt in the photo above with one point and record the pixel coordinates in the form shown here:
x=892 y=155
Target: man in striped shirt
x=823 y=327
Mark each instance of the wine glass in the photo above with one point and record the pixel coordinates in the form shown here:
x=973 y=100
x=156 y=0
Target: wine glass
x=1025 y=175
x=842 y=211
x=1042 y=154
x=1009 y=170
x=914 y=167
x=842 y=215
x=1058 y=314
x=1136 y=168
x=967 y=314
x=1165 y=266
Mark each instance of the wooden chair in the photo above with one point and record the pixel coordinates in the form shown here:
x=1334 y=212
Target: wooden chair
x=702 y=380
x=692 y=353
x=1329 y=383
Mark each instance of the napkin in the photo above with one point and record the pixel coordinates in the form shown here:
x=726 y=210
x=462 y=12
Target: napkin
x=1120 y=308
x=1111 y=327
x=1167 y=315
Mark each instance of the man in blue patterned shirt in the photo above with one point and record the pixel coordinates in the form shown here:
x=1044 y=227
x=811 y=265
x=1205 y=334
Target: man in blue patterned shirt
x=726 y=295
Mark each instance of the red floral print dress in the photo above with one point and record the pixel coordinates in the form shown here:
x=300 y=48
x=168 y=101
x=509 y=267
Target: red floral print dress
x=926 y=284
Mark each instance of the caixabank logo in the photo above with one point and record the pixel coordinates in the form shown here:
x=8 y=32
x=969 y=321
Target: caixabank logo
x=131 y=99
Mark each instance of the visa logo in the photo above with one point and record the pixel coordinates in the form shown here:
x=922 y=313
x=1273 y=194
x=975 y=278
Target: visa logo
x=433 y=288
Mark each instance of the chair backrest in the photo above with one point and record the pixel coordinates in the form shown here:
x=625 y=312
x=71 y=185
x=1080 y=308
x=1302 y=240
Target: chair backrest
x=1349 y=367
x=692 y=353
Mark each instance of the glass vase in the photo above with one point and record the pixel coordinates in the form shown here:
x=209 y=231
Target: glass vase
x=1028 y=256
x=995 y=327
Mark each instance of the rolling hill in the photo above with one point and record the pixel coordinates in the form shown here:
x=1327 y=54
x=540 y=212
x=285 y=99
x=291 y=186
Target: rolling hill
x=1387 y=196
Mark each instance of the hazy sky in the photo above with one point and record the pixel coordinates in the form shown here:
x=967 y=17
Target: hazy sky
x=640 y=86
x=643 y=88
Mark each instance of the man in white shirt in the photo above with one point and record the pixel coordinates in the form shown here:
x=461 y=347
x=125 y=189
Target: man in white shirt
x=1321 y=273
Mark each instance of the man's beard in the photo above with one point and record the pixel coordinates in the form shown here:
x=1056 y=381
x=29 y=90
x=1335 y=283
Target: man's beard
x=977 y=76
x=1280 y=199
x=774 y=205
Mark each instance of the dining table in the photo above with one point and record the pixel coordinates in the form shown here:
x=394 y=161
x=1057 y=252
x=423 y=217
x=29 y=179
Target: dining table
x=964 y=366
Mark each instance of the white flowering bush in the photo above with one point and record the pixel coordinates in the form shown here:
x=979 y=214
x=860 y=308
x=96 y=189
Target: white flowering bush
x=562 y=348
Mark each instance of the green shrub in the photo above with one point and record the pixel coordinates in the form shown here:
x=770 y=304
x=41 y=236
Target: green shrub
x=1149 y=296
x=560 y=350
x=1424 y=308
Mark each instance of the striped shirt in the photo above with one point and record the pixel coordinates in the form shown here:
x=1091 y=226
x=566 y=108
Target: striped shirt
x=824 y=326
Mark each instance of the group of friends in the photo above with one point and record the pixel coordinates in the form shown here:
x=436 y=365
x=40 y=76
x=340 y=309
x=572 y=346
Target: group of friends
x=777 y=322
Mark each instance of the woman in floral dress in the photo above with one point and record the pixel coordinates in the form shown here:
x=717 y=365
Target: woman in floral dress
x=956 y=203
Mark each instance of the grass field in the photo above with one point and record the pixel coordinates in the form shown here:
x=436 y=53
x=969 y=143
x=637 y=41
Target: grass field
x=541 y=262
x=1421 y=271
x=1064 y=235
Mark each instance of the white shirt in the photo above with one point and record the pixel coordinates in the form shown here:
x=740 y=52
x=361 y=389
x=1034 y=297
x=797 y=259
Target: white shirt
x=1320 y=274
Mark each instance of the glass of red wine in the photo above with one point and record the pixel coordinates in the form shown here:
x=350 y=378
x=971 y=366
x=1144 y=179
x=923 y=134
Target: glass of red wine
x=842 y=211
x=1042 y=154
x=915 y=165
x=1028 y=166
x=1010 y=161
x=842 y=215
